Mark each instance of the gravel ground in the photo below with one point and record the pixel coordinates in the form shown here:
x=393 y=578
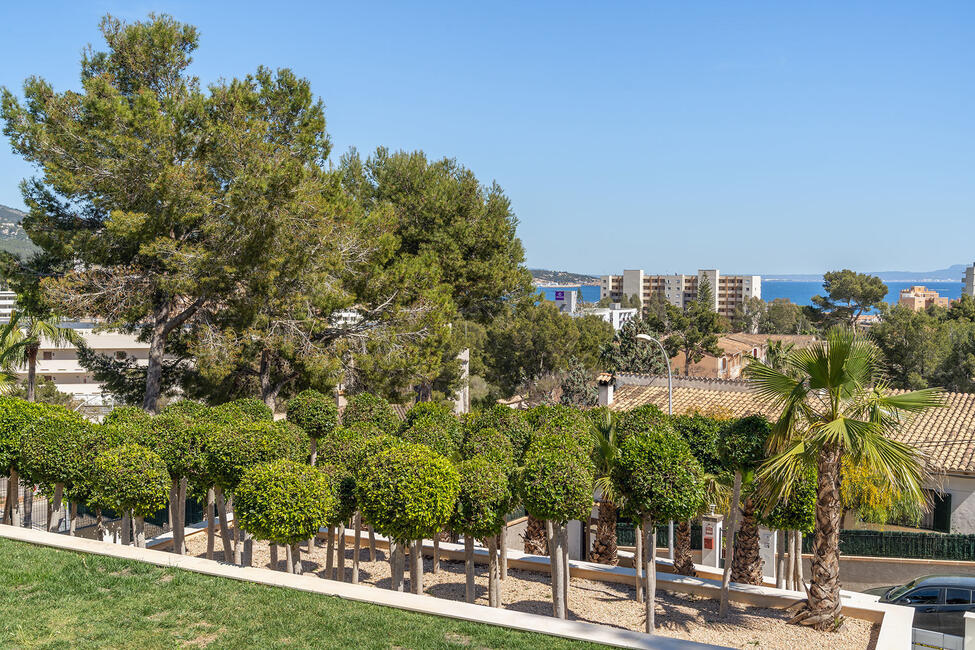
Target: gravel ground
x=681 y=616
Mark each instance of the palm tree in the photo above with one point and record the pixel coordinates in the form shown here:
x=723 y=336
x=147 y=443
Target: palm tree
x=605 y=454
x=834 y=402
x=23 y=335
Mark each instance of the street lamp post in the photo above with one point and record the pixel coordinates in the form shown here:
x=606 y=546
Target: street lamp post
x=670 y=411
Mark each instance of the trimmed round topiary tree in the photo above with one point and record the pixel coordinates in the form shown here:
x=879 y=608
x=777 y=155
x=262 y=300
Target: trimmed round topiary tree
x=130 y=478
x=371 y=409
x=483 y=501
x=441 y=434
x=419 y=410
x=490 y=444
x=246 y=409
x=741 y=448
x=125 y=415
x=510 y=422
x=793 y=516
x=316 y=414
x=556 y=486
x=642 y=418
x=407 y=492
x=660 y=480
x=284 y=502
x=16 y=415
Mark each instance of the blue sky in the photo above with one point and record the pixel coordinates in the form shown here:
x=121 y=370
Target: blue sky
x=757 y=137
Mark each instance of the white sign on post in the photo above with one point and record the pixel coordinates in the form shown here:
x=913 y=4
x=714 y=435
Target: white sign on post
x=767 y=543
x=711 y=526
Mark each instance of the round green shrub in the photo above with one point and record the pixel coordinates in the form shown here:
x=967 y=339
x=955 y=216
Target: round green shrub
x=130 y=477
x=125 y=416
x=559 y=420
x=557 y=479
x=188 y=409
x=59 y=447
x=342 y=483
x=701 y=434
x=483 y=500
x=366 y=407
x=365 y=429
x=407 y=491
x=315 y=413
x=487 y=443
x=179 y=440
x=439 y=434
x=246 y=408
x=16 y=415
x=510 y=422
x=230 y=451
x=659 y=476
x=427 y=409
x=643 y=418
x=741 y=443
x=283 y=502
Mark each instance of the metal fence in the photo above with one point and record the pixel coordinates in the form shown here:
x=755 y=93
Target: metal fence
x=924 y=546
x=625 y=535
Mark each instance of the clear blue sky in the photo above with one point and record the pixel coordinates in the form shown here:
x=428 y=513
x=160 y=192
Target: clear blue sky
x=764 y=137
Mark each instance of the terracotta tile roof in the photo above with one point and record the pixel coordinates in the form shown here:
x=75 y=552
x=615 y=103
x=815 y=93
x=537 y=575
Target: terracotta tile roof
x=946 y=434
x=734 y=343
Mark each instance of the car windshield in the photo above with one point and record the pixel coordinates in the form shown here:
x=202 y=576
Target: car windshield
x=897 y=592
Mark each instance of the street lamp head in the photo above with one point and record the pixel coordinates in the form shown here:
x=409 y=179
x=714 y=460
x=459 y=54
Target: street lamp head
x=645 y=337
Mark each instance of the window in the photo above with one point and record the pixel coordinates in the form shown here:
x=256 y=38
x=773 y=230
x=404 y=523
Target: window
x=958 y=597
x=48 y=356
x=120 y=355
x=927 y=596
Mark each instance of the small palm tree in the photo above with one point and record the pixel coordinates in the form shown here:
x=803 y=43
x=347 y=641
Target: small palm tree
x=605 y=455
x=20 y=340
x=835 y=403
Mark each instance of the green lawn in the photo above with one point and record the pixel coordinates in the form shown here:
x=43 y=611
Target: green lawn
x=58 y=599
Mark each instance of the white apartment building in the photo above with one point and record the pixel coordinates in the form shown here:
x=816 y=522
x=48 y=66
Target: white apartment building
x=616 y=316
x=59 y=363
x=968 y=289
x=8 y=300
x=728 y=291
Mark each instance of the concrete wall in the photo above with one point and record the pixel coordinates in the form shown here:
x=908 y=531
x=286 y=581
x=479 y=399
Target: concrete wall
x=962 y=490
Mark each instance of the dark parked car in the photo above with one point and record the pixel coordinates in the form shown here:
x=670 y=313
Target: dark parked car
x=939 y=602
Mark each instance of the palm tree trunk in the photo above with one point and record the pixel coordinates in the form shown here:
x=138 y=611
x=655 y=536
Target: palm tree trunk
x=638 y=562
x=651 y=570
x=535 y=537
x=469 y=567
x=729 y=551
x=683 y=559
x=604 y=547
x=747 y=565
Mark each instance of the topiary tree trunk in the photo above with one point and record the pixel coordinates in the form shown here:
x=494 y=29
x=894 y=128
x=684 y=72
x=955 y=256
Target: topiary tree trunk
x=330 y=554
x=557 y=569
x=55 y=509
x=747 y=565
x=340 y=564
x=225 y=535
x=683 y=559
x=396 y=561
x=294 y=559
x=494 y=577
x=650 y=568
x=372 y=543
x=416 y=566
x=28 y=519
x=357 y=544
x=435 y=567
x=638 y=562
x=211 y=524
x=73 y=518
x=729 y=552
x=503 y=550
x=469 y=567
x=126 y=529
x=140 y=532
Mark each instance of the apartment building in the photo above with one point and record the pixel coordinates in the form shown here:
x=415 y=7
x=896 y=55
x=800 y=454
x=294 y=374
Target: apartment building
x=968 y=288
x=920 y=298
x=727 y=291
x=8 y=301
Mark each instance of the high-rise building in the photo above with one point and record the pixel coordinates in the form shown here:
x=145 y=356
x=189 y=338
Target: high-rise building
x=968 y=289
x=727 y=291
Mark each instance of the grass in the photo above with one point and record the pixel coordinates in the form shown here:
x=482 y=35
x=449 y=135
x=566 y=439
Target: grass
x=59 y=599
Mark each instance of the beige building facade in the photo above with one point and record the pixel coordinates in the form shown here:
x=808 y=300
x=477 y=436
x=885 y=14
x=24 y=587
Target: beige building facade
x=920 y=298
x=727 y=291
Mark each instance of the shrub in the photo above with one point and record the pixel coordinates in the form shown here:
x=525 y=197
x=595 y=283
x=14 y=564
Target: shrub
x=59 y=447
x=124 y=416
x=342 y=484
x=230 y=452
x=188 y=409
x=741 y=443
x=483 y=500
x=407 y=491
x=642 y=418
x=179 y=441
x=245 y=409
x=701 y=434
x=510 y=422
x=365 y=429
x=490 y=444
x=283 y=502
x=16 y=415
x=559 y=420
x=557 y=480
x=373 y=409
x=130 y=477
x=315 y=413
x=438 y=433
x=419 y=410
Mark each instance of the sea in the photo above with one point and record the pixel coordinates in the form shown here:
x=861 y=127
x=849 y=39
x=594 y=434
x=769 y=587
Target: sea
x=800 y=293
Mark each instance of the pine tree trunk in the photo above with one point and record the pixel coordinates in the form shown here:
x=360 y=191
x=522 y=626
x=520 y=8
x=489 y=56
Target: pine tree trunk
x=650 y=568
x=140 y=532
x=356 y=546
x=211 y=524
x=729 y=552
x=224 y=524
x=330 y=554
x=340 y=565
x=604 y=547
x=494 y=579
x=535 y=537
x=747 y=564
x=683 y=559
x=638 y=562
x=157 y=352
x=469 y=567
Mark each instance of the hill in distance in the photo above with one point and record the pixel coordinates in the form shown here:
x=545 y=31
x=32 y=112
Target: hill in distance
x=544 y=276
x=953 y=273
x=13 y=239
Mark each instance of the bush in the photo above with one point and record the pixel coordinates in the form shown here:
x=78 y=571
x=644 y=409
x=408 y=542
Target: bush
x=179 y=441
x=230 y=452
x=124 y=416
x=342 y=484
x=188 y=410
x=483 y=500
x=557 y=480
x=439 y=434
x=407 y=491
x=490 y=444
x=659 y=476
x=510 y=422
x=741 y=443
x=283 y=502
x=419 y=410
x=130 y=477
x=701 y=434
x=372 y=409
x=643 y=418
x=59 y=447
x=559 y=420
x=16 y=415
x=246 y=409
x=315 y=413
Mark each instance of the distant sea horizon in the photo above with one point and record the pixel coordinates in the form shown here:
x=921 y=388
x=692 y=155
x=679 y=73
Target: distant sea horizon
x=796 y=291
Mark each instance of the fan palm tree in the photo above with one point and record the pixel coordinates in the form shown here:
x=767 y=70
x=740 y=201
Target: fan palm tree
x=834 y=402
x=20 y=341
x=605 y=454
